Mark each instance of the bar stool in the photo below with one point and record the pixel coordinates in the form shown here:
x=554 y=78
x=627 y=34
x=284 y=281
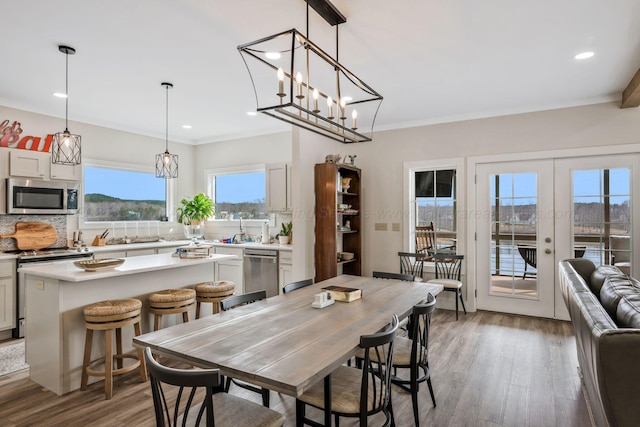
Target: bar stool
x=213 y=292
x=107 y=316
x=171 y=301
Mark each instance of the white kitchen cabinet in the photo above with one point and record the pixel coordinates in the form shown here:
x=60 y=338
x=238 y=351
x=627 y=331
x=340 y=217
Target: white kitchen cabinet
x=31 y=164
x=7 y=294
x=285 y=272
x=278 y=191
x=66 y=172
x=231 y=269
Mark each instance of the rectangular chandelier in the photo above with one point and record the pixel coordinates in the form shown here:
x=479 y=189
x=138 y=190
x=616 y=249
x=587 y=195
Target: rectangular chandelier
x=297 y=82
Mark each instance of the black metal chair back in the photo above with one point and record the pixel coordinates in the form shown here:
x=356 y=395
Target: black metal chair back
x=186 y=380
x=419 y=322
x=237 y=300
x=412 y=263
x=396 y=276
x=296 y=285
x=377 y=370
x=448 y=266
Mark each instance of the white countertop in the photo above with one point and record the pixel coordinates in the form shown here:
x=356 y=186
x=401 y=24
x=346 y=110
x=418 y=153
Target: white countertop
x=4 y=256
x=67 y=271
x=174 y=243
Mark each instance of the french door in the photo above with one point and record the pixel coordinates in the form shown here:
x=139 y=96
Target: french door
x=532 y=214
x=515 y=237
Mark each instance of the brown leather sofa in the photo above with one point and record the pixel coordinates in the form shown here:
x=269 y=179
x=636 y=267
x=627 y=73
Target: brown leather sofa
x=604 y=305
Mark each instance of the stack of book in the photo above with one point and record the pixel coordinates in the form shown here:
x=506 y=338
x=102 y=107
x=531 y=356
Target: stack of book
x=342 y=293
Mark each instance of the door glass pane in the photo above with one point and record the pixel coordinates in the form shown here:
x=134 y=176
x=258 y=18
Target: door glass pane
x=514 y=235
x=602 y=216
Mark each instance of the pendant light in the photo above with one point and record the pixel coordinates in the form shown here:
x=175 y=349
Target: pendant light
x=65 y=147
x=293 y=79
x=166 y=163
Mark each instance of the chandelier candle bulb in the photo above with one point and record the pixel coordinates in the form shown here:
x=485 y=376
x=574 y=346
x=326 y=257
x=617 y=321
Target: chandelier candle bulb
x=354 y=116
x=281 y=93
x=316 y=94
x=299 y=80
x=342 y=105
x=330 y=105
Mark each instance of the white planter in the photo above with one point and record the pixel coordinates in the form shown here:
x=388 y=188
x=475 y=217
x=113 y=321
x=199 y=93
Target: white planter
x=284 y=240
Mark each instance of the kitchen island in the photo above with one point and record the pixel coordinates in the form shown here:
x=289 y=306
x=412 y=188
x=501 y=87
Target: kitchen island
x=57 y=293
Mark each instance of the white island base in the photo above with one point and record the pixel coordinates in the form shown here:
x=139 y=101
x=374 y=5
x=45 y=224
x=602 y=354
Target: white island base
x=57 y=293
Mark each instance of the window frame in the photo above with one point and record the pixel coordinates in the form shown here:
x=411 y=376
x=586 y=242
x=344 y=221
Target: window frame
x=170 y=192
x=209 y=177
x=410 y=168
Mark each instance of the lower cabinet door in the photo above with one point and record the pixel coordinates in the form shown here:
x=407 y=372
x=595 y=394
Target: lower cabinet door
x=231 y=270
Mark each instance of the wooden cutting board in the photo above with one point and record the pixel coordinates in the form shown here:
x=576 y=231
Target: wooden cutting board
x=33 y=235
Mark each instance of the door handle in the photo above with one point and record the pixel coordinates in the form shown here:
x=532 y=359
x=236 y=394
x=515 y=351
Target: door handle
x=547 y=251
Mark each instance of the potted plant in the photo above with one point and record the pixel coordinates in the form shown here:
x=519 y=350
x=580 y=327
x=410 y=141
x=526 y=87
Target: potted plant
x=285 y=233
x=193 y=213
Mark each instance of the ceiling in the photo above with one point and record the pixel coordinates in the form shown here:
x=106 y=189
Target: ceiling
x=433 y=61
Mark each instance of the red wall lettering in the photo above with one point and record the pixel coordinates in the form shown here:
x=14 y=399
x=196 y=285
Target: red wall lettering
x=10 y=138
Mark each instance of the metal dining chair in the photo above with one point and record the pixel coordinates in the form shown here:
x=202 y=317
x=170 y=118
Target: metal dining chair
x=412 y=263
x=296 y=285
x=228 y=304
x=358 y=393
x=229 y=410
x=448 y=273
x=394 y=276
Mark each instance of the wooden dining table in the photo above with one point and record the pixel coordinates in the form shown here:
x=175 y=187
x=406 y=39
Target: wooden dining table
x=284 y=344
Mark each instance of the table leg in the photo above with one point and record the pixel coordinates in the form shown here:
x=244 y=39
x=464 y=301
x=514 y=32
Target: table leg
x=327 y=401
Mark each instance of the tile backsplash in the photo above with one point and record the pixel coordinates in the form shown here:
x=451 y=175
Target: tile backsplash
x=8 y=226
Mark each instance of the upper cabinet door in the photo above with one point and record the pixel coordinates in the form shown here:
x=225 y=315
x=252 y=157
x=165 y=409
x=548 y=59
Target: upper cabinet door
x=66 y=172
x=276 y=193
x=32 y=164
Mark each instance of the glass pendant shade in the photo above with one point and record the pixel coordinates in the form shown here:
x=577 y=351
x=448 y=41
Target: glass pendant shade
x=166 y=165
x=65 y=149
x=306 y=87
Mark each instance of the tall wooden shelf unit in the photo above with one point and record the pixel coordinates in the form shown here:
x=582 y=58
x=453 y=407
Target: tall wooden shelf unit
x=330 y=238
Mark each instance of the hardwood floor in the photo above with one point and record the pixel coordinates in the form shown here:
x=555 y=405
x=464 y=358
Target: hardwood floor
x=488 y=369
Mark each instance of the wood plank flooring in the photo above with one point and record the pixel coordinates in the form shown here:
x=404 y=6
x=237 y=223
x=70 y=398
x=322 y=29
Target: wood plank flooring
x=488 y=369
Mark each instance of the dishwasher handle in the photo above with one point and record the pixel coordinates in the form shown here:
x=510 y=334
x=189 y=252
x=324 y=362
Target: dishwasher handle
x=262 y=257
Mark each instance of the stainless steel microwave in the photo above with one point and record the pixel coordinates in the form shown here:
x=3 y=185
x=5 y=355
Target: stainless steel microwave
x=33 y=196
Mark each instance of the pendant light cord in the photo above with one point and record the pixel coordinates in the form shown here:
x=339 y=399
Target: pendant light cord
x=66 y=89
x=166 y=147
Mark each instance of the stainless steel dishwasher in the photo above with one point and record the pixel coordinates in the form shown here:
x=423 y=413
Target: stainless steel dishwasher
x=261 y=271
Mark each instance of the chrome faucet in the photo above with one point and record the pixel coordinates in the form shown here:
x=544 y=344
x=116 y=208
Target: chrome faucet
x=241 y=234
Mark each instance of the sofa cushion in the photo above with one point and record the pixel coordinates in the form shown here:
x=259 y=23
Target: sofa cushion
x=628 y=313
x=615 y=288
x=599 y=275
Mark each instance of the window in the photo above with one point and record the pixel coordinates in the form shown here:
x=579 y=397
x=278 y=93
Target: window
x=238 y=193
x=431 y=192
x=435 y=203
x=116 y=194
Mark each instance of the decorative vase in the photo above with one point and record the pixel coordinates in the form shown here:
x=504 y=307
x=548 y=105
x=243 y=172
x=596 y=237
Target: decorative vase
x=284 y=240
x=346 y=184
x=194 y=231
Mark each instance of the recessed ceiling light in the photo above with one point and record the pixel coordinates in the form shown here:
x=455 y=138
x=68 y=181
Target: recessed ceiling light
x=59 y=95
x=251 y=113
x=272 y=55
x=584 y=55
x=186 y=126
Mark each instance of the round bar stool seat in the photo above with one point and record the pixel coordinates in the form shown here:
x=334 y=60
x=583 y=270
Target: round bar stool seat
x=213 y=292
x=108 y=316
x=171 y=301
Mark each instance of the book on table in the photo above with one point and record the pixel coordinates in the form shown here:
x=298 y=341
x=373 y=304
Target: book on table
x=342 y=293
